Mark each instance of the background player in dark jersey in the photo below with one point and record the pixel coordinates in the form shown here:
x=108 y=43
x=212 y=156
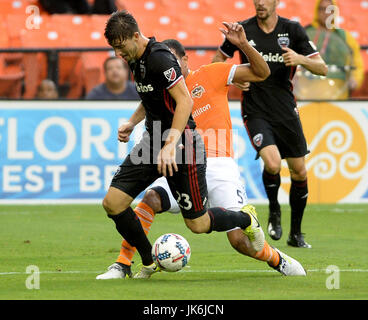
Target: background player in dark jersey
x=166 y=106
x=269 y=109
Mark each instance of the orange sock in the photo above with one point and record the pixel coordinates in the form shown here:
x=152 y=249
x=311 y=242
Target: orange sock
x=145 y=215
x=268 y=254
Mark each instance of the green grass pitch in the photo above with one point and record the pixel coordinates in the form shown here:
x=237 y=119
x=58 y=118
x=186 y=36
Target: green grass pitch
x=71 y=244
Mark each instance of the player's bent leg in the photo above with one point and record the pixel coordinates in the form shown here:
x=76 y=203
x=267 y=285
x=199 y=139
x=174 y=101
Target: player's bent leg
x=271 y=158
x=216 y=219
x=298 y=197
x=168 y=201
x=116 y=204
x=158 y=198
x=254 y=231
x=152 y=199
x=116 y=201
x=240 y=242
x=201 y=224
x=220 y=219
x=297 y=168
x=271 y=181
x=145 y=211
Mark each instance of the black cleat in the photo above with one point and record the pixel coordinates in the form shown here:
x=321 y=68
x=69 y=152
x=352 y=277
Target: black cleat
x=274 y=225
x=297 y=240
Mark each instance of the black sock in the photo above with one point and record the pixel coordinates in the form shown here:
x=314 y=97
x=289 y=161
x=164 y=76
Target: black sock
x=271 y=183
x=223 y=220
x=298 y=200
x=128 y=225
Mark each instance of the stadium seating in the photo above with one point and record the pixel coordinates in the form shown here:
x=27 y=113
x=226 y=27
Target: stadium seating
x=11 y=77
x=193 y=22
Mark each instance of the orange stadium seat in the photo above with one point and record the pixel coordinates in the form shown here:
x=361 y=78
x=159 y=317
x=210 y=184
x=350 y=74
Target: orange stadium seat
x=13 y=6
x=80 y=30
x=198 y=58
x=93 y=68
x=92 y=62
x=51 y=35
x=140 y=7
x=11 y=78
x=233 y=10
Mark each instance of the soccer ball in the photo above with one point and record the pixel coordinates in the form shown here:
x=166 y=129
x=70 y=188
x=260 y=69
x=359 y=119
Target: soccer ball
x=171 y=252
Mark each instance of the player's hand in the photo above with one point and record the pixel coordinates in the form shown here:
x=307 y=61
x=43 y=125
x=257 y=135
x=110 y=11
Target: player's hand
x=291 y=58
x=124 y=131
x=243 y=86
x=166 y=160
x=234 y=32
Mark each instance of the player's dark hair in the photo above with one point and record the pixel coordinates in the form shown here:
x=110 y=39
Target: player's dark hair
x=120 y=26
x=176 y=45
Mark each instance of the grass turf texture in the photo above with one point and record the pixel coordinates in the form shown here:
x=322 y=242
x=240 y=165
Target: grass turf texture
x=71 y=244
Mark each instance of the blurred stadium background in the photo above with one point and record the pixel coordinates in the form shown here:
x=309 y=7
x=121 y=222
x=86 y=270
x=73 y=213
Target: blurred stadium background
x=70 y=49
x=65 y=151
x=44 y=49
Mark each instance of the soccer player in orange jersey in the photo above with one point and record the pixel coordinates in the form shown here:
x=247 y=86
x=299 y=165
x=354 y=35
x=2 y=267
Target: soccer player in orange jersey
x=208 y=87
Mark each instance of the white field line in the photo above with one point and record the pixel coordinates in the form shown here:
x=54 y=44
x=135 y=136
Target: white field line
x=183 y=271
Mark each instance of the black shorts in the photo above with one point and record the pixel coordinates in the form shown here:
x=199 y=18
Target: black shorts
x=188 y=185
x=287 y=135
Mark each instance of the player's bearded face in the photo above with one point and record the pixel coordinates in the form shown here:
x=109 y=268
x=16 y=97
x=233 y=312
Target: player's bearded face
x=126 y=49
x=265 y=8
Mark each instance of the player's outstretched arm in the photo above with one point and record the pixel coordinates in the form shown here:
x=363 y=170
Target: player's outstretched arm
x=257 y=69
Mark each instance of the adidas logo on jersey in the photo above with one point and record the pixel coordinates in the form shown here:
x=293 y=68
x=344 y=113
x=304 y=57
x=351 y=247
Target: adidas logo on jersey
x=272 y=57
x=252 y=43
x=141 y=88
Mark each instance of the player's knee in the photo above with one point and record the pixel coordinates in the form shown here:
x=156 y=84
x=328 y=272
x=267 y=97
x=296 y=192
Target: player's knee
x=107 y=205
x=112 y=207
x=299 y=175
x=152 y=199
x=273 y=167
x=196 y=227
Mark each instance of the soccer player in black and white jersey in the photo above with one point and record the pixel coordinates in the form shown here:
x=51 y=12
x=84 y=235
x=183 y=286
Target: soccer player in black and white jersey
x=270 y=112
x=170 y=146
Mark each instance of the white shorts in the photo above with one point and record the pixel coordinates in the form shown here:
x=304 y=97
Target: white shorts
x=224 y=184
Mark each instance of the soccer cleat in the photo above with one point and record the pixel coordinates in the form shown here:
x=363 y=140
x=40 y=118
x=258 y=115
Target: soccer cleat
x=254 y=231
x=289 y=266
x=146 y=271
x=297 y=240
x=116 y=271
x=274 y=225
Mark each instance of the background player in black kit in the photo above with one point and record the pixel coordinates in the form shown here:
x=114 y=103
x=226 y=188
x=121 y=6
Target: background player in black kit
x=170 y=137
x=269 y=109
